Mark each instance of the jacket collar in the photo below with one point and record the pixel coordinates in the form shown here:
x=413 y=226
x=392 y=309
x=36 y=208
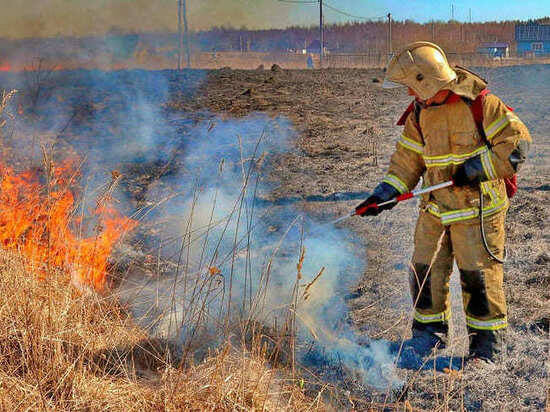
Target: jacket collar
x=451 y=98
x=467 y=84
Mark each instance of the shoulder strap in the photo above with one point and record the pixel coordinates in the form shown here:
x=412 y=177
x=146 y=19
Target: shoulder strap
x=413 y=107
x=403 y=118
x=477 y=112
x=476 y=106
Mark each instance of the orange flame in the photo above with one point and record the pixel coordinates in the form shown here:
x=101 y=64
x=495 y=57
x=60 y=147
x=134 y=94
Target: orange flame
x=38 y=220
x=214 y=271
x=5 y=67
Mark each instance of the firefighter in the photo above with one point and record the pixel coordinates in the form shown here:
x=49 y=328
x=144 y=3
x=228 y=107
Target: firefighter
x=310 y=61
x=441 y=141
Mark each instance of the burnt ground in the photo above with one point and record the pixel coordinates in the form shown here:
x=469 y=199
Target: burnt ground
x=346 y=134
x=345 y=124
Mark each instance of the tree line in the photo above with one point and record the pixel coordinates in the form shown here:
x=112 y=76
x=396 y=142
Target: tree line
x=358 y=37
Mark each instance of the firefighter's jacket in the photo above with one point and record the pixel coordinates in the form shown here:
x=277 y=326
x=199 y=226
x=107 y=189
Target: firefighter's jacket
x=436 y=139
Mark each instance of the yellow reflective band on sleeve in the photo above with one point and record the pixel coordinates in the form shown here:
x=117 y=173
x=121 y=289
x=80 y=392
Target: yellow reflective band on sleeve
x=411 y=144
x=492 y=194
x=484 y=188
x=500 y=124
x=488 y=166
x=397 y=183
x=436 y=317
x=493 y=324
x=512 y=117
x=451 y=158
x=488 y=189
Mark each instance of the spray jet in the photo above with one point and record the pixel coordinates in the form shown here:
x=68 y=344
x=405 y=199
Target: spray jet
x=400 y=198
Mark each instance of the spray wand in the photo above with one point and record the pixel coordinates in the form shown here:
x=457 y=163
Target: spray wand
x=397 y=199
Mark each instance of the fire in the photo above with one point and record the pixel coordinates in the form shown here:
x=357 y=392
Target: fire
x=5 y=67
x=214 y=271
x=38 y=220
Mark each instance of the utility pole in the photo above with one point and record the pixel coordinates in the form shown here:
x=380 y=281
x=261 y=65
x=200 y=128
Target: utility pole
x=452 y=11
x=186 y=29
x=389 y=35
x=321 y=35
x=180 y=39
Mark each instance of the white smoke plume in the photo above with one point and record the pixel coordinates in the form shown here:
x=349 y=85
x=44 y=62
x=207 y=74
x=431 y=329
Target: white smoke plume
x=220 y=257
x=231 y=257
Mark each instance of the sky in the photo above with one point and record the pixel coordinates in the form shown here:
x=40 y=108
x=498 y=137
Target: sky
x=45 y=18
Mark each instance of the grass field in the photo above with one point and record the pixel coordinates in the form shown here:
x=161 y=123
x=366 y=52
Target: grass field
x=332 y=133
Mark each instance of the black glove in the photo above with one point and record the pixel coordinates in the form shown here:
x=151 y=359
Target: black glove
x=380 y=194
x=470 y=172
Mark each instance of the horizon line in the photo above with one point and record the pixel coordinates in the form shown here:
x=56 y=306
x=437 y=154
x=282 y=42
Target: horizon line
x=116 y=31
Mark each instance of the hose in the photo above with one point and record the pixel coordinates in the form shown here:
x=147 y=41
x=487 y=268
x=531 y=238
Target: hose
x=483 y=238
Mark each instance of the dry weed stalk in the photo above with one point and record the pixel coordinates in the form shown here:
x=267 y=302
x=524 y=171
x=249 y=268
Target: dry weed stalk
x=4 y=101
x=306 y=295
x=107 y=193
x=63 y=351
x=421 y=286
x=36 y=77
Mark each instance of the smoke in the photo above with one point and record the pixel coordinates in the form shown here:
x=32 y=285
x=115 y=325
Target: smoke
x=49 y=18
x=213 y=257
x=230 y=258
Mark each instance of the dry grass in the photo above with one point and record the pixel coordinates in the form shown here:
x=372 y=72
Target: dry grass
x=67 y=348
x=61 y=350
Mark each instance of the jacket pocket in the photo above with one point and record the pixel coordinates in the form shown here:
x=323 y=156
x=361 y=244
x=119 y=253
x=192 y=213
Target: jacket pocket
x=465 y=139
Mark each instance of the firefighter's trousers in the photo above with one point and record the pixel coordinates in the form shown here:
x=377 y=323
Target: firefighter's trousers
x=436 y=248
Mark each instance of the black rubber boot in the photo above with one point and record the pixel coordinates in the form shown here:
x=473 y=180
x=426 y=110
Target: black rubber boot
x=425 y=339
x=487 y=345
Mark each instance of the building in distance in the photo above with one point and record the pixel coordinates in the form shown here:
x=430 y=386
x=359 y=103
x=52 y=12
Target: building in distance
x=532 y=39
x=494 y=49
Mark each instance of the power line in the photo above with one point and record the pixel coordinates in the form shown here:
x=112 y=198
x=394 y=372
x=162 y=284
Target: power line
x=299 y=1
x=344 y=13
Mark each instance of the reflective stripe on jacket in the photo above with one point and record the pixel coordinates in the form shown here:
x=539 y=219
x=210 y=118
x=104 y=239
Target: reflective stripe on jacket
x=449 y=137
